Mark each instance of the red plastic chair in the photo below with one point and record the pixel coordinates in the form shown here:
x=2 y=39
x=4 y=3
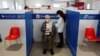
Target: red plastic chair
x=14 y=34
x=90 y=35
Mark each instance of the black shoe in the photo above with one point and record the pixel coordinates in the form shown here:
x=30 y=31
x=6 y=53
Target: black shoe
x=44 y=51
x=60 y=46
x=51 y=51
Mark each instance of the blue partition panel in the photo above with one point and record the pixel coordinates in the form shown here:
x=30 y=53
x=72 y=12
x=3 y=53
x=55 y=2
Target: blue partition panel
x=72 y=30
x=98 y=29
x=29 y=32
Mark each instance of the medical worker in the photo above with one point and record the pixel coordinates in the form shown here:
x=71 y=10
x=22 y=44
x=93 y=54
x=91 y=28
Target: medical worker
x=60 y=27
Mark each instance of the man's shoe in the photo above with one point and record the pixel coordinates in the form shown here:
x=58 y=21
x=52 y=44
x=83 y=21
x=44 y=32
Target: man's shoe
x=51 y=51
x=44 y=51
x=59 y=46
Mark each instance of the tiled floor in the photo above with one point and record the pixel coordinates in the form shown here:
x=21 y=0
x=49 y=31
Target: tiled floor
x=88 y=49
x=16 y=52
x=38 y=51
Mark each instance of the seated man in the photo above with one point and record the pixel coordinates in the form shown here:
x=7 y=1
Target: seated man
x=48 y=30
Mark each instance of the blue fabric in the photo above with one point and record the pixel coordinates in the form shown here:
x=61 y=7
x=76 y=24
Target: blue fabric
x=72 y=30
x=98 y=28
x=29 y=32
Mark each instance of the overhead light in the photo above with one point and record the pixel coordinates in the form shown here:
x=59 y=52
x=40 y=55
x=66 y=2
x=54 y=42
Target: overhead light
x=56 y=5
x=38 y=5
x=16 y=4
x=20 y=7
x=88 y=6
x=5 y=5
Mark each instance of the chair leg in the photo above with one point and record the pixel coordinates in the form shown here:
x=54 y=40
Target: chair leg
x=10 y=42
x=84 y=42
x=17 y=41
x=5 y=44
x=99 y=45
x=20 y=40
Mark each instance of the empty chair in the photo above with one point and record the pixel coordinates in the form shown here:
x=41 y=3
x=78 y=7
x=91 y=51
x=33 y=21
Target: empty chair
x=90 y=35
x=14 y=35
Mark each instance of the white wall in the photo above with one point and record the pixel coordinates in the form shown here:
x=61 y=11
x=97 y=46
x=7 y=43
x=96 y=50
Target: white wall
x=63 y=5
x=37 y=29
x=13 y=11
x=33 y=2
x=21 y=3
x=95 y=4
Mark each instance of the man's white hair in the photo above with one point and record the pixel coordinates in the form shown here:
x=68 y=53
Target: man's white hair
x=47 y=16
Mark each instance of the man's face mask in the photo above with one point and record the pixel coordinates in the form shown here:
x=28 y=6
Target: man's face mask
x=47 y=20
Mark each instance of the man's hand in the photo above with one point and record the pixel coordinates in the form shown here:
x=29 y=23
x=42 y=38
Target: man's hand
x=48 y=29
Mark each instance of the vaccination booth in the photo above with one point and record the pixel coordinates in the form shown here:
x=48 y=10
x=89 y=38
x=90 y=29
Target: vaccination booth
x=78 y=24
x=38 y=19
x=16 y=32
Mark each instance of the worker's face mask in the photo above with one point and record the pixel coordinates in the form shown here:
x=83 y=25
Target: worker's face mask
x=58 y=15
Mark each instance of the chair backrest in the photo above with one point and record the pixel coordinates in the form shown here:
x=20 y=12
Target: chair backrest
x=15 y=31
x=89 y=32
